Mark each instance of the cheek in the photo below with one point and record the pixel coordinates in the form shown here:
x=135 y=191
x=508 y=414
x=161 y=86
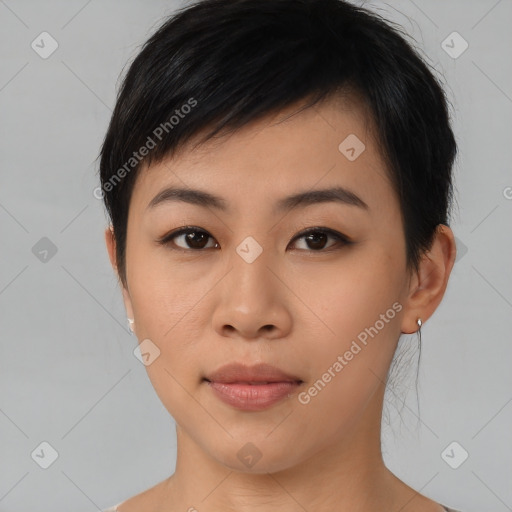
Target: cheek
x=351 y=359
x=357 y=317
x=164 y=292
x=168 y=312
x=352 y=295
x=172 y=308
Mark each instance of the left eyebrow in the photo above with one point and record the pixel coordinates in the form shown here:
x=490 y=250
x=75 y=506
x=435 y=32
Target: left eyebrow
x=301 y=199
x=328 y=195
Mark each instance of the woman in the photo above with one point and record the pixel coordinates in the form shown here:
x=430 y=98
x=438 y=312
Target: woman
x=278 y=175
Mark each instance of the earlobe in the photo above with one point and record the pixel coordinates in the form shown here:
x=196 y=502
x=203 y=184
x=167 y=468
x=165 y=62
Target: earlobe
x=429 y=285
x=128 y=307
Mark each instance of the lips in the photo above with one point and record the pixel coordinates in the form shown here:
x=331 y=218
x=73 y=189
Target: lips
x=252 y=388
x=257 y=374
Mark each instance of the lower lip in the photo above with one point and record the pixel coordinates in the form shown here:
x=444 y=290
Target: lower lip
x=252 y=397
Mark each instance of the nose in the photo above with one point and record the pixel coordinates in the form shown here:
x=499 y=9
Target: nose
x=253 y=301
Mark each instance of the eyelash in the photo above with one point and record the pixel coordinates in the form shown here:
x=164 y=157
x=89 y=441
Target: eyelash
x=167 y=240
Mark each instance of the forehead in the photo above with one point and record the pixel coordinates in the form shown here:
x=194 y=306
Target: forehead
x=330 y=144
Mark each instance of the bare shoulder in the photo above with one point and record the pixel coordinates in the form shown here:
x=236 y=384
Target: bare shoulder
x=425 y=504
x=149 y=500
x=411 y=500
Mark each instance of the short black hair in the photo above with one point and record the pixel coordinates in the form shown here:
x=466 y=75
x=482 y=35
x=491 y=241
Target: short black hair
x=216 y=65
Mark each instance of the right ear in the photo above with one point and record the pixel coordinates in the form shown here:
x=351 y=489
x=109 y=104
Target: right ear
x=110 y=242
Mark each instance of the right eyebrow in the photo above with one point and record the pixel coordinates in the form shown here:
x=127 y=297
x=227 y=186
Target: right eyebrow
x=188 y=195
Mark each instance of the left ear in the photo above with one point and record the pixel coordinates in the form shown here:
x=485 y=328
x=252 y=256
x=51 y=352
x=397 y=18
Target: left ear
x=428 y=285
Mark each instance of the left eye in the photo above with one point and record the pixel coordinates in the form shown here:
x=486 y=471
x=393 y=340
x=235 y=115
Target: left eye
x=316 y=238
x=196 y=239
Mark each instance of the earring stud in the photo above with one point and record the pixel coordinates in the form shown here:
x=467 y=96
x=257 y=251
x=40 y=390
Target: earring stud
x=419 y=322
x=130 y=323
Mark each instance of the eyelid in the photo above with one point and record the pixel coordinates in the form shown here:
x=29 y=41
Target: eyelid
x=167 y=238
x=328 y=231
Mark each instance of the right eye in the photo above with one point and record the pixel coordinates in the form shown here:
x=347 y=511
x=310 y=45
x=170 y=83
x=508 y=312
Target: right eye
x=193 y=238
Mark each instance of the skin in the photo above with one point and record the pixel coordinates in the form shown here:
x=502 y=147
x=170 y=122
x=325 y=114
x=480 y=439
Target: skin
x=205 y=307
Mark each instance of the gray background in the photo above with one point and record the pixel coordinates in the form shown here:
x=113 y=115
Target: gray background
x=67 y=372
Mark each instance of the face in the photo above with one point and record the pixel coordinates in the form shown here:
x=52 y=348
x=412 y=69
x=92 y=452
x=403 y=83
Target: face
x=314 y=287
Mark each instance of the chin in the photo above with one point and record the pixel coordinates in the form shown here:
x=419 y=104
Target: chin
x=258 y=457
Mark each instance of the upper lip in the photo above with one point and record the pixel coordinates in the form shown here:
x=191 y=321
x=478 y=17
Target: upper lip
x=237 y=372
